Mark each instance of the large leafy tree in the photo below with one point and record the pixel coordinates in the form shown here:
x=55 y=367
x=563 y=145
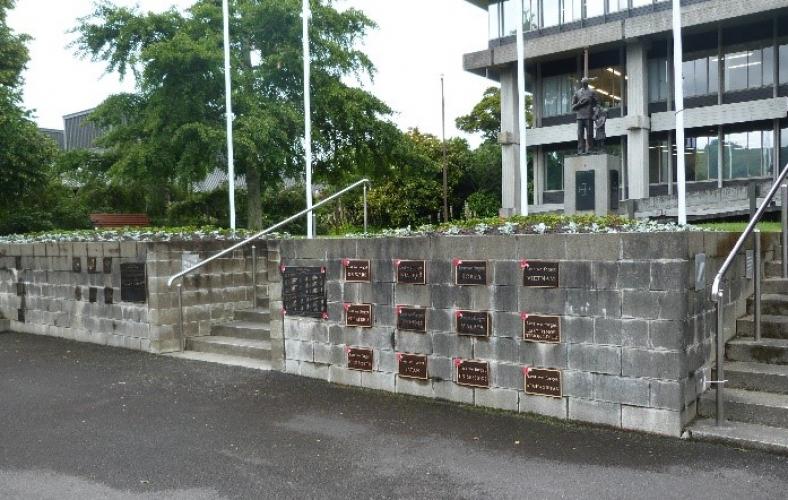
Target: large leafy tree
x=170 y=131
x=24 y=152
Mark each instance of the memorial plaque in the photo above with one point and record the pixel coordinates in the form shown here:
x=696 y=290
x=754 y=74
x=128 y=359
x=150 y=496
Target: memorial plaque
x=542 y=329
x=471 y=272
x=615 y=188
x=20 y=315
x=540 y=274
x=473 y=373
x=108 y=295
x=412 y=272
x=412 y=319
x=304 y=292
x=133 y=286
x=543 y=382
x=107 y=265
x=358 y=315
x=76 y=264
x=357 y=271
x=78 y=293
x=92 y=265
x=93 y=294
x=585 y=190
x=473 y=323
x=21 y=289
x=18 y=262
x=412 y=366
x=360 y=359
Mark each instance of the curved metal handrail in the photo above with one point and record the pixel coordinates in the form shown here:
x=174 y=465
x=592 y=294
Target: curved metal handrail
x=250 y=239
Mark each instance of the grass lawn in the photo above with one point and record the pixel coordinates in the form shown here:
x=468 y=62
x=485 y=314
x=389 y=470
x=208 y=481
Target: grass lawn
x=738 y=227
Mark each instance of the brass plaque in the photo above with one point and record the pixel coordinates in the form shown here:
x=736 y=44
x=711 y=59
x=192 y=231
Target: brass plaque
x=76 y=264
x=92 y=265
x=107 y=265
x=108 y=294
x=133 y=285
x=473 y=373
x=412 y=272
x=412 y=366
x=543 y=382
x=358 y=315
x=357 y=271
x=473 y=323
x=540 y=274
x=471 y=272
x=412 y=319
x=304 y=292
x=21 y=289
x=541 y=328
x=93 y=294
x=360 y=358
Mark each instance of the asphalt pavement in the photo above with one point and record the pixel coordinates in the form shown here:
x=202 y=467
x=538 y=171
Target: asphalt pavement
x=84 y=421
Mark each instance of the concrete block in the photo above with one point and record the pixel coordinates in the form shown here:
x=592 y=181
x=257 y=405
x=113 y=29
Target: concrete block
x=595 y=358
x=506 y=273
x=549 y=407
x=671 y=275
x=508 y=376
x=597 y=412
x=379 y=381
x=543 y=301
x=382 y=338
x=452 y=346
x=507 y=324
x=667 y=335
x=452 y=392
x=576 y=330
x=542 y=246
x=502 y=399
x=383 y=271
x=648 y=246
x=440 y=368
x=338 y=356
x=386 y=361
x=343 y=376
x=581 y=302
x=411 y=387
x=543 y=355
x=314 y=370
x=634 y=274
x=412 y=295
x=411 y=342
x=502 y=349
x=322 y=353
x=609 y=303
x=335 y=334
x=615 y=389
x=440 y=320
x=505 y=298
x=653 y=420
x=666 y=394
x=654 y=305
x=605 y=275
x=293 y=367
x=300 y=351
x=593 y=246
x=668 y=365
x=576 y=274
x=440 y=271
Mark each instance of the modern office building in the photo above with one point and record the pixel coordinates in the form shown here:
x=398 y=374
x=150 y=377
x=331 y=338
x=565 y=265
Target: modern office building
x=735 y=68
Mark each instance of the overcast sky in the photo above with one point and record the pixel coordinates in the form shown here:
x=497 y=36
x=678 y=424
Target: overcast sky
x=416 y=42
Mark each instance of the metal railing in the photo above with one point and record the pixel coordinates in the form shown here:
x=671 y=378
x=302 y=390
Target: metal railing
x=718 y=293
x=364 y=182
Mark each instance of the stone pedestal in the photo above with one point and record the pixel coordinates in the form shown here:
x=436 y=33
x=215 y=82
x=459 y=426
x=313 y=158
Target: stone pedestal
x=592 y=184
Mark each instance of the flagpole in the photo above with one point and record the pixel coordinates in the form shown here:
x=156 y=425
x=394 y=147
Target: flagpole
x=229 y=112
x=521 y=111
x=307 y=120
x=678 y=87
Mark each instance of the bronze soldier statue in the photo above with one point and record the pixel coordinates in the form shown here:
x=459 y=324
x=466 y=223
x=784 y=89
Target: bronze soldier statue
x=583 y=103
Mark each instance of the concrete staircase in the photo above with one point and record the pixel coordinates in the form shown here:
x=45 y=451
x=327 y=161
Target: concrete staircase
x=756 y=395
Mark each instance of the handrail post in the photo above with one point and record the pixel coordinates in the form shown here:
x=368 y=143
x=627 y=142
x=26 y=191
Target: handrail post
x=365 y=209
x=784 y=212
x=254 y=276
x=720 y=357
x=181 y=333
x=756 y=261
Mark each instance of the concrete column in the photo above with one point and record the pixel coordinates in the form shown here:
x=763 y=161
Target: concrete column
x=637 y=121
x=509 y=140
x=540 y=173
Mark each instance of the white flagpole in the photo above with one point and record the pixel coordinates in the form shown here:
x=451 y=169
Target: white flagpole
x=229 y=111
x=678 y=87
x=521 y=111
x=307 y=120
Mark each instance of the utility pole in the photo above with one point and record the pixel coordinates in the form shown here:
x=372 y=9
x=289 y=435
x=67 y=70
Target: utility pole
x=229 y=111
x=521 y=111
x=678 y=88
x=308 y=120
x=445 y=156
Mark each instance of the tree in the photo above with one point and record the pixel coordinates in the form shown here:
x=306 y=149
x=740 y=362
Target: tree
x=170 y=131
x=24 y=152
x=485 y=117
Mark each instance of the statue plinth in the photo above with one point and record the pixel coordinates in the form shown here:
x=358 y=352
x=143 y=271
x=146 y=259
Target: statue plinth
x=592 y=184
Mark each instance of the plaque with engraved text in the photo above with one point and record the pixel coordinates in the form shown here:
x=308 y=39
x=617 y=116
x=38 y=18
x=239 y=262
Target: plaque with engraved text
x=540 y=274
x=304 y=292
x=358 y=315
x=357 y=271
x=107 y=265
x=411 y=272
x=92 y=265
x=360 y=359
x=473 y=373
x=473 y=323
x=471 y=272
x=133 y=287
x=543 y=382
x=108 y=294
x=542 y=328
x=412 y=366
x=412 y=319
x=76 y=264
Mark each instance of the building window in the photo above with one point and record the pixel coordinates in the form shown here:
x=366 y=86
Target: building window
x=503 y=17
x=641 y=3
x=572 y=11
x=595 y=8
x=658 y=80
x=701 y=157
x=658 y=159
x=552 y=13
x=783 y=147
x=617 y=5
x=558 y=92
x=783 y=64
x=748 y=69
x=607 y=84
x=554 y=169
x=701 y=76
x=748 y=154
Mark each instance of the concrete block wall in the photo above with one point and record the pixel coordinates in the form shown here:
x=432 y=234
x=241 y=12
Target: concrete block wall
x=636 y=335
x=39 y=279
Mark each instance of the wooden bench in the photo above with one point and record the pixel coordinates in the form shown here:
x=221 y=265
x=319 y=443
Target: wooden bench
x=119 y=220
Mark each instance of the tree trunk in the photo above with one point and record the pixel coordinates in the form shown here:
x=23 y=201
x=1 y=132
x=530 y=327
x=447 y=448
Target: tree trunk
x=255 y=210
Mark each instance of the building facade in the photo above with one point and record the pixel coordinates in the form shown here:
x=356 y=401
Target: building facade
x=735 y=68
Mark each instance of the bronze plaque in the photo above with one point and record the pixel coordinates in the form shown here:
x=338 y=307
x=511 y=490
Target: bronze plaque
x=412 y=272
x=473 y=373
x=542 y=328
x=78 y=293
x=108 y=295
x=473 y=323
x=133 y=285
x=93 y=294
x=471 y=272
x=304 y=292
x=360 y=358
x=21 y=289
x=412 y=366
x=543 y=382
x=76 y=264
x=412 y=319
x=358 y=315
x=20 y=315
x=107 y=265
x=92 y=265
x=358 y=271
x=540 y=274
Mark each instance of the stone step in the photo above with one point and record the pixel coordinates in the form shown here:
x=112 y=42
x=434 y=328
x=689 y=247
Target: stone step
x=774 y=351
x=771 y=303
x=232 y=346
x=773 y=268
x=775 y=286
x=242 y=330
x=752 y=407
x=263 y=302
x=258 y=315
x=5 y=325
x=741 y=434
x=223 y=359
x=757 y=376
x=772 y=327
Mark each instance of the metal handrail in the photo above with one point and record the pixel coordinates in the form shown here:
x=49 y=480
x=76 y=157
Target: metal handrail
x=717 y=293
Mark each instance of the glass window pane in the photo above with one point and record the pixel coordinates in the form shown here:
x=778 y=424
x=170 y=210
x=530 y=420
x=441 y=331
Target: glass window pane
x=701 y=76
x=754 y=69
x=736 y=154
x=495 y=19
x=554 y=164
x=689 y=158
x=768 y=66
x=702 y=159
x=783 y=64
x=688 y=73
x=595 y=8
x=783 y=147
x=640 y=3
x=572 y=10
x=767 y=153
x=551 y=13
x=714 y=75
x=531 y=15
x=712 y=156
x=736 y=71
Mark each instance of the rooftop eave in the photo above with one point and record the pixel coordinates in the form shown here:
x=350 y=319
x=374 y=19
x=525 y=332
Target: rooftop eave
x=480 y=3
